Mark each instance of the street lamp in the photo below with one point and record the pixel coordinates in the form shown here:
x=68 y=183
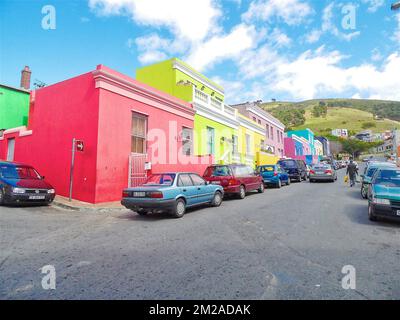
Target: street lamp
x=396 y=5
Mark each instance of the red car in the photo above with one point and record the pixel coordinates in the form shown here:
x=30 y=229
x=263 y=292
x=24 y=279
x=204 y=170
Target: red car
x=236 y=179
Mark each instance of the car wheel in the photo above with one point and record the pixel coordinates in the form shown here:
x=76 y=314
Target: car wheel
x=242 y=192
x=262 y=188
x=180 y=208
x=279 y=184
x=217 y=200
x=371 y=215
x=288 y=182
x=1 y=197
x=363 y=192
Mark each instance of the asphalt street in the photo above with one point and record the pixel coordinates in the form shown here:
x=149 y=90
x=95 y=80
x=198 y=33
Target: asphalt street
x=290 y=243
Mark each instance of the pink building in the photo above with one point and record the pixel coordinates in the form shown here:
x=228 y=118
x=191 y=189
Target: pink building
x=275 y=130
x=129 y=130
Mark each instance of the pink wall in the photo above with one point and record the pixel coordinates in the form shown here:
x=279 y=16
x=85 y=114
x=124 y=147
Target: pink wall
x=97 y=108
x=61 y=112
x=290 y=149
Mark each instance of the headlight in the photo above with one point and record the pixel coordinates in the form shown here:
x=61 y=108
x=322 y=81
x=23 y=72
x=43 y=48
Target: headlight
x=18 y=190
x=51 y=191
x=381 y=201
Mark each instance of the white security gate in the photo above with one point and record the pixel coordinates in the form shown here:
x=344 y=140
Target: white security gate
x=137 y=172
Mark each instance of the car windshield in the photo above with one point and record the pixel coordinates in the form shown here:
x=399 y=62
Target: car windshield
x=161 y=179
x=371 y=171
x=267 y=169
x=219 y=171
x=19 y=172
x=388 y=178
x=288 y=164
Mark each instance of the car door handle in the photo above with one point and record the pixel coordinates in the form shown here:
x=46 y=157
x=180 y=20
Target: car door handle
x=198 y=188
x=184 y=190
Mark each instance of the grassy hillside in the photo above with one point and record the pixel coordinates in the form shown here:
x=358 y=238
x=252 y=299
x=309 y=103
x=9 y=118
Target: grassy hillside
x=326 y=114
x=346 y=118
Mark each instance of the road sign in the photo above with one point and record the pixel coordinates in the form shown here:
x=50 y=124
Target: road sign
x=80 y=146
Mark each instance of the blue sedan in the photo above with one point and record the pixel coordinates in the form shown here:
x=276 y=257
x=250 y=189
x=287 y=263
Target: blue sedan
x=173 y=193
x=274 y=175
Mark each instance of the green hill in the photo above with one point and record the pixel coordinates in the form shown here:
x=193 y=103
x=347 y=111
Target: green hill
x=323 y=115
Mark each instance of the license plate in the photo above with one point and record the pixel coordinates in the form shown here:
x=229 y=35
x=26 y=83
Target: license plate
x=398 y=213
x=215 y=182
x=37 y=197
x=320 y=172
x=139 y=194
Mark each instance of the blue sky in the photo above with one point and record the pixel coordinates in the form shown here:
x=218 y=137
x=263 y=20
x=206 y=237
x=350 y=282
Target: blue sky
x=261 y=49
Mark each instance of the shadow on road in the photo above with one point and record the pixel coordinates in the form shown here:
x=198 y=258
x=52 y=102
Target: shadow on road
x=358 y=213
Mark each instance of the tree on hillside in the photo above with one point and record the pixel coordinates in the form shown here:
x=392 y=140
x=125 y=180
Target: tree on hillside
x=356 y=147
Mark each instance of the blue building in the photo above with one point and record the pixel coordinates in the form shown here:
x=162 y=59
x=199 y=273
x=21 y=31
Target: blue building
x=306 y=134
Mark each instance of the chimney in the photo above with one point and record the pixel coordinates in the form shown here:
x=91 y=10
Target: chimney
x=26 y=78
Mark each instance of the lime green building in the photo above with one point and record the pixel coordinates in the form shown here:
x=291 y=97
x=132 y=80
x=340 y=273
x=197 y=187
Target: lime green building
x=218 y=128
x=14 y=107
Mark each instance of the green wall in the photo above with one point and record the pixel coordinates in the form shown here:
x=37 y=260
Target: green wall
x=201 y=142
x=163 y=77
x=14 y=108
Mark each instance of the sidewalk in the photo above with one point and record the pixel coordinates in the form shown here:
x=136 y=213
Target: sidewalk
x=76 y=205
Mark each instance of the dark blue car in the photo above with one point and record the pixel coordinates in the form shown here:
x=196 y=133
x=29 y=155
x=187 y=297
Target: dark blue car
x=274 y=175
x=21 y=184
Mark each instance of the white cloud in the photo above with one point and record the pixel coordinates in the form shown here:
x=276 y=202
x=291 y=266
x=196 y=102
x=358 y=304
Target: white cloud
x=189 y=19
x=376 y=55
x=219 y=47
x=279 y=38
x=151 y=48
x=292 y=12
x=374 y=5
x=318 y=74
x=313 y=36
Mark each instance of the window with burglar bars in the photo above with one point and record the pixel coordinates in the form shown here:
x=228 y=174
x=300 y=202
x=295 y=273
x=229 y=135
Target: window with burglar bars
x=139 y=132
x=187 y=141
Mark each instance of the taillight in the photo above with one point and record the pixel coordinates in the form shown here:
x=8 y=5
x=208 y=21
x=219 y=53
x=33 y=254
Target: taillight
x=275 y=174
x=125 y=194
x=156 y=195
x=233 y=182
x=312 y=171
x=328 y=171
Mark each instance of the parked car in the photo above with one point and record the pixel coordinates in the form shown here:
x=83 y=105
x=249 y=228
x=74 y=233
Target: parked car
x=274 y=175
x=172 y=193
x=236 y=179
x=322 y=172
x=22 y=184
x=296 y=169
x=384 y=194
x=369 y=173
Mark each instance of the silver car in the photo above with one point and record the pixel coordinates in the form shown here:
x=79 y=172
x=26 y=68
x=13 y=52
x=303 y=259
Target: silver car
x=322 y=172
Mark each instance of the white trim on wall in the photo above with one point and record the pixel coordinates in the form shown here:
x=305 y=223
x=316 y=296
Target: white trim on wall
x=182 y=68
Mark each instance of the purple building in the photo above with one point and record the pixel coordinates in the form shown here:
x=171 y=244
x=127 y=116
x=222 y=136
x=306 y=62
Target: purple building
x=274 y=140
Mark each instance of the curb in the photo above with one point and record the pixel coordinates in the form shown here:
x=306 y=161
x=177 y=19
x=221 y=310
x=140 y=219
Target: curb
x=77 y=209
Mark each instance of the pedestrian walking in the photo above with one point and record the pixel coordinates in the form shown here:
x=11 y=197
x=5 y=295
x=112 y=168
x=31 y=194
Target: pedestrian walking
x=352 y=172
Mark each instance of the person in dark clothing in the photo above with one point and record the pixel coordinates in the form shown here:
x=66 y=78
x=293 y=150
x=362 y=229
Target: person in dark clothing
x=352 y=172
